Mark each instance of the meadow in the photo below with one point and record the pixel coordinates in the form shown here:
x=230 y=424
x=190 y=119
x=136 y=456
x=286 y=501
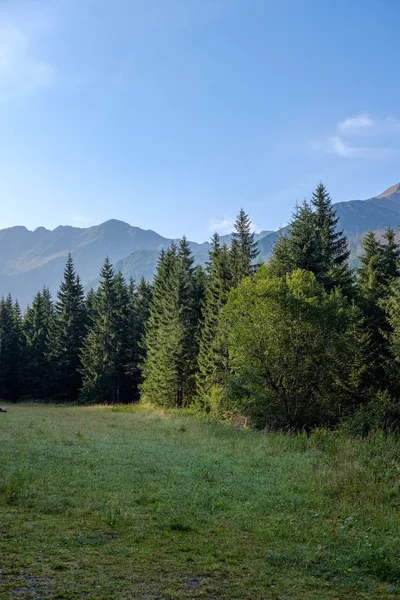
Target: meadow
x=138 y=503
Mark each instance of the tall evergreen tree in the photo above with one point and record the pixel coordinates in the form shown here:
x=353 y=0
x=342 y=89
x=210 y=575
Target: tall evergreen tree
x=302 y=248
x=390 y=256
x=127 y=336
x=101 y=354
x=37 y=323
x=67 y=334
x=334 y=247
x=142 y=298
x=138 y=314
x=213 y=352
x=187 y=323
x=156 y=367
x=315 y=244
x=377 y=275
x=244 y=250
x=171 y=332
x=91 y=305
x=10 y=349
x=370 y=272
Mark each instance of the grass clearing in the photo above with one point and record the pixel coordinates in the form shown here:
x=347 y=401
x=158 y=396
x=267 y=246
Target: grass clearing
x=134 y=502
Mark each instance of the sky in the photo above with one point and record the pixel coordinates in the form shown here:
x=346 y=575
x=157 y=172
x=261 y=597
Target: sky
x=173 y=114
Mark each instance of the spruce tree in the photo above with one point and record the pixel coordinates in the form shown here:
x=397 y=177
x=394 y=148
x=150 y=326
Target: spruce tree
x=377 y=275
x=244 y=250
x=302 y=248
x=67 y=334
x=102 y=345
x=213 y=352
x=390 y=256
x=334 y=247
x=91 y=305
x=188 y=289
x=171 y=332
x=155 y=369
x=314 y=244
x=137 y=315
x=142 y=298
x=127 y=338
x=37 y=323
x=10 y=349
x=370 y=272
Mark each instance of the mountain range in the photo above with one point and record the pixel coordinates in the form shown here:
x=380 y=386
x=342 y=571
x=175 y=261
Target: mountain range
x=31 y=259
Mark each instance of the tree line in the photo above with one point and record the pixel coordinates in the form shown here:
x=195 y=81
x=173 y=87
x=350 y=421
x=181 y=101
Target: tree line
x=302 y=341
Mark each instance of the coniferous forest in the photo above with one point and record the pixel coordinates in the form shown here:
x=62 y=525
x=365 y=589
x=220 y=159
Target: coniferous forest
x=301 y=342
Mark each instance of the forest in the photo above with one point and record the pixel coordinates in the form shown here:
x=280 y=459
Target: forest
x=298 y=343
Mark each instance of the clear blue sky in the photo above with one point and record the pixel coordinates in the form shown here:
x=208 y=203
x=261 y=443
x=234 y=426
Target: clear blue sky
x=172 y=114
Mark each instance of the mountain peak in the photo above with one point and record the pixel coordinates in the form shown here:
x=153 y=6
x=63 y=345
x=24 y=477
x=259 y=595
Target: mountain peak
x=114 y=224
x=390 y=191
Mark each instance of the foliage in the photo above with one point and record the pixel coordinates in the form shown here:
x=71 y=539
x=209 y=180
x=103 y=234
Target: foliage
x=66 y=334
x=297 y=343
x=10 y=349
x=315 y=244
x=289 y=341
x=106 y=349
x=381 y=413
x=36 y=326
x=213 y=352
x=172 y=332
x=379 y=300
x=244 y=250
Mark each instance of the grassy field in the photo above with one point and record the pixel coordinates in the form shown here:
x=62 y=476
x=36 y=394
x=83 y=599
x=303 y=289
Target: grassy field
x=126 y=503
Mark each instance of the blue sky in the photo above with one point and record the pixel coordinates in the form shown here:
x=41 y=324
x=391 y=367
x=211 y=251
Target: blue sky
x=172 y=114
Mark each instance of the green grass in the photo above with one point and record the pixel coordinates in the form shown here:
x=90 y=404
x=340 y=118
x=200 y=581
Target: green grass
x=126 y=503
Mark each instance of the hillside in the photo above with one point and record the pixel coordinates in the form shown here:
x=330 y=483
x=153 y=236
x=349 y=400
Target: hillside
x=31 y=259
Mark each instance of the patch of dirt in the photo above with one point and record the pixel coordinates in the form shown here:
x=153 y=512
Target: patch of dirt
x=34 y=586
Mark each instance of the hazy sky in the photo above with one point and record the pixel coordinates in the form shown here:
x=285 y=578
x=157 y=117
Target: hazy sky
x=172 y=114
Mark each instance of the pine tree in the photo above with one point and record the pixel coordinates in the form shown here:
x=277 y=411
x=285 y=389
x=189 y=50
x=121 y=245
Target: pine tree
x=67 y=334
x=370 y=273
x=314 y=244
x=302 y=248
x=91 y=305
x=141 y=303
x=244 y=250
x=199 y=289
x=138 y=314
x=377 y=275
x=171 y=331
x=357 y=377
x=101 y=349
x=155 y=387
x=188 y=288
x=334 y=247
x=127 y=338
x=334 y=244
x=213 y=352
x=390 y=257
x=37 y=323
x=10 y=349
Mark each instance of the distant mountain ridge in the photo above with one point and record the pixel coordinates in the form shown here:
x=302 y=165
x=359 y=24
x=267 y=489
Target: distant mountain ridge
x=31 y=259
